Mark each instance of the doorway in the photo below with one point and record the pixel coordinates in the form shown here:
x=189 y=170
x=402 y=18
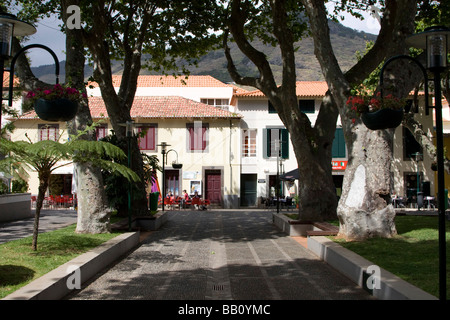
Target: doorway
x=173 y=182
x=213 y=186
x=248 y=190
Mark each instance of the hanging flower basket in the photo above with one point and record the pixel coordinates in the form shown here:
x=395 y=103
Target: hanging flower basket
x=377 y=113
x=55 y=104
x=56 y=110
x=382 y=119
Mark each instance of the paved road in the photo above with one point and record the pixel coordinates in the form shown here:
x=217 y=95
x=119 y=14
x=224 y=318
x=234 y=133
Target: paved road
x=219 y=255
x=49 y=220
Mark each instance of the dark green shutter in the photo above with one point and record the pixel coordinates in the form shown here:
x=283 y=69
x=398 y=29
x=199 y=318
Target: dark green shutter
x=284 y=143
x=338 y=149
x=271 y=107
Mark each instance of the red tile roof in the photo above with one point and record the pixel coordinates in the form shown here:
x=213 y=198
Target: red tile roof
x=6 y=81
x=304 y=89
x=167 y=107
x=149 y=81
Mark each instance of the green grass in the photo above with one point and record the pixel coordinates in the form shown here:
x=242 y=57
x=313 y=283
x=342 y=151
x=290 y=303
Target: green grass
x=412 y=255
x=19 y=264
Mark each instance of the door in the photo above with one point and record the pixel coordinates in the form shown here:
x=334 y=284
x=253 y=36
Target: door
x=213 y=186
x=173 y=182
x=248 y=190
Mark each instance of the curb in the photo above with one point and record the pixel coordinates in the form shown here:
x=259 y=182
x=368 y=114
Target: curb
x=55 y=284
x=355 y=267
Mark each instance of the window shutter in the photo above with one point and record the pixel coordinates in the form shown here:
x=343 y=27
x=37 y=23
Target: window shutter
x=338 y=148
x=271 y=107
x=284 y=143
x=266 y=143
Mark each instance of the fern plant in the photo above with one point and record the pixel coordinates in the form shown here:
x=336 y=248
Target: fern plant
x=46 y=156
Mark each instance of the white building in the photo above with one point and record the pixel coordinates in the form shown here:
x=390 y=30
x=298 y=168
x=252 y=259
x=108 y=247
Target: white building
x=237 y=134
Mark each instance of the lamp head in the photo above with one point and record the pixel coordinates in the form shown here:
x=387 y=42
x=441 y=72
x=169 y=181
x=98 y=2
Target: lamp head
x=435 y=40
x=11 y=26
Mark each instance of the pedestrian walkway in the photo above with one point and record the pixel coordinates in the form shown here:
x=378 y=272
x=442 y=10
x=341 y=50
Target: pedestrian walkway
x=49 y=220
x=220 y=255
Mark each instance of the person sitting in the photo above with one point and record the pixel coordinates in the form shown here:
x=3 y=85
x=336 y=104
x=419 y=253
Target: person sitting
x=185 y=198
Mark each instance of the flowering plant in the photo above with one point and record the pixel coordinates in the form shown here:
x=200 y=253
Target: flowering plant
x=56 y=92
x=362 y=104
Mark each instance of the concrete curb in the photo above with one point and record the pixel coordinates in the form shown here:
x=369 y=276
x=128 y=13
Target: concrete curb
x=355 y=267
x=54 y=285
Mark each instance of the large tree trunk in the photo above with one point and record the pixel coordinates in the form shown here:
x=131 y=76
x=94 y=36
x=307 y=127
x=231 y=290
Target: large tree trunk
x=93 y=211
x=364 y=208
x=119 y=104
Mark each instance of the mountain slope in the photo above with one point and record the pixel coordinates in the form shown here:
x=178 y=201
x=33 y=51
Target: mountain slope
x=346 y=42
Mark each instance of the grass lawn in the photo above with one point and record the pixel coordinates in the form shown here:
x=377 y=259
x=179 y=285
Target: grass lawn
x=413 y=255
x=20 y=265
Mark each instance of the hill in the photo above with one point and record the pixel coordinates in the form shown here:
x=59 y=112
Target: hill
x=346 y=42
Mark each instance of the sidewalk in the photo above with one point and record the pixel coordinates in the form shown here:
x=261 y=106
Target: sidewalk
x=49 y=220
x=220 y=255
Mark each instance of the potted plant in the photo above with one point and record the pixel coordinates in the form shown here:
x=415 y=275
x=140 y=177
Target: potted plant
x=376 y=112
x=57 y=103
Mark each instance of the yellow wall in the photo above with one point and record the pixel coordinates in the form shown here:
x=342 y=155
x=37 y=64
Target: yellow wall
x=222 y=151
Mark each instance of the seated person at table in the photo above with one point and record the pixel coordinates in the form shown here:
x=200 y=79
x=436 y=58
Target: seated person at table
x=200 y=206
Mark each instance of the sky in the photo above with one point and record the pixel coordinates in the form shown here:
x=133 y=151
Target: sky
x=48 y=34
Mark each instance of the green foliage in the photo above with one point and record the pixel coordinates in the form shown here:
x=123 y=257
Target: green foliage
x=19 y=186
x=3 y=187
x=116 y=187
x=45 y=155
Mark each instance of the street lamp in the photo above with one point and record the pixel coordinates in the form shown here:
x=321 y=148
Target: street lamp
x=10 y=26
x=435 y=41
x=163 y=146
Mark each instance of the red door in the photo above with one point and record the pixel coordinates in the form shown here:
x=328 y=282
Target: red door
x=213 y=184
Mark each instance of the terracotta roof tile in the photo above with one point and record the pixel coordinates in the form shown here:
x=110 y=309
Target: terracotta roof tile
x=304 y=89
x=6 y=80
x=146 y=81
x=158 y=107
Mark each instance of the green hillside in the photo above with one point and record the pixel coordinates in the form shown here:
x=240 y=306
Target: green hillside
x=346 y=42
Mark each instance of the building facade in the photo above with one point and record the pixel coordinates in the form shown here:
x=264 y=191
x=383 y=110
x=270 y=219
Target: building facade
x=231 y=143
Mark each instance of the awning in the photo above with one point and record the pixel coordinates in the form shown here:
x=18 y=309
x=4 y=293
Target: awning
x=291 y=175
x=67 y=169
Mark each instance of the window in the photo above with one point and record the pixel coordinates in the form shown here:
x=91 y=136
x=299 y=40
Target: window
x=271 y=108
x=249 y=143
x=276 y=143
x=101 y=132
x=48 y=132
x=147 y=137
x=197 y=134
x=307 y=106
x=338 y=148
x=218 y=103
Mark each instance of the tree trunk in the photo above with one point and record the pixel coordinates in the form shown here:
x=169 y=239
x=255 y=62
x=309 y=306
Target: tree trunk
x=93 y=212
x=119 y=104
x=365 y=209
x=44 y=179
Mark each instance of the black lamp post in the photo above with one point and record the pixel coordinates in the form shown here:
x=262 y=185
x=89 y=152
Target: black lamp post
x=163 y=146
x=435 y=41
x=10 y=26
